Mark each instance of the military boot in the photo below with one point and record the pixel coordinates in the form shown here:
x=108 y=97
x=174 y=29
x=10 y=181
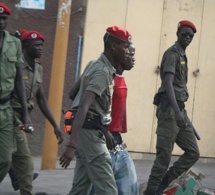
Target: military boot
x=164 y=184
x=150 y=192
x=14 y=179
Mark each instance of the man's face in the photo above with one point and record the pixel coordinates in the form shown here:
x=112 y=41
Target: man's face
x=129 y=62
x=120 y=52
x=185 y=36
x=3 y=21
x=34 y=48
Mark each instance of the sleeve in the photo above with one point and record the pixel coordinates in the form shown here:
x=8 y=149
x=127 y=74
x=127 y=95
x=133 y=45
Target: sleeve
x=170 y=61
x=98 y=82
x=41 y=73
x=20 y=61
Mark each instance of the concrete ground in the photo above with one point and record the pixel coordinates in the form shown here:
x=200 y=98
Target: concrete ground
x=58 y=181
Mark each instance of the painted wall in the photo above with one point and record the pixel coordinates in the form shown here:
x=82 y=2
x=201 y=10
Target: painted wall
x=153 y=25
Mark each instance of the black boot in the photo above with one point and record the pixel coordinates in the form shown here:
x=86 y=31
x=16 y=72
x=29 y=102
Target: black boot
x=164 y=184
x=14 y=179
x=35 y=176
x=149 y=192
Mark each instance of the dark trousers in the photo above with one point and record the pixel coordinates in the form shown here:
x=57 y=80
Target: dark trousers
x=168 y=133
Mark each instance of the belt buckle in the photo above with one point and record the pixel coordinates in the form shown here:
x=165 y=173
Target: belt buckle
x=120 y=147
x=116 y=149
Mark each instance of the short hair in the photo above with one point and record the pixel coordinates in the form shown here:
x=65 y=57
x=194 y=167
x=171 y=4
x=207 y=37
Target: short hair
x=109 y=39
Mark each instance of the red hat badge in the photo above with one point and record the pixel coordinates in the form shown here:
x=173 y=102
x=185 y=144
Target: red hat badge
x=4 y=9
x=31 y=35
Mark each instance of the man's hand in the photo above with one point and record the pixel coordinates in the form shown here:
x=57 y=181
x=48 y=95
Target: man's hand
x=26 y=120
x=110 y=141
x=67 y=156
x=58 y=134
x=27 y=124
x=180 y=119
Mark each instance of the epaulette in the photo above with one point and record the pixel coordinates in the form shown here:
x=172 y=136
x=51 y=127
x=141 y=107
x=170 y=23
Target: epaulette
x=37 y=62
x=175 y=49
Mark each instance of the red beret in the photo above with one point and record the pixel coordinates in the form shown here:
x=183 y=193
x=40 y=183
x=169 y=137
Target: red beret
x=22 y=31
x=119 y=33
x=32 y=35
x=4 y=9
x=187 y=23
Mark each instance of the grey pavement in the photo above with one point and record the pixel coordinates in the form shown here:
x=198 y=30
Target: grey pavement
x=58 y=181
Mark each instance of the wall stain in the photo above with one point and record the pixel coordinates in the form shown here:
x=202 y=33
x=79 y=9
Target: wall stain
x=185 y=5
x=64 y=9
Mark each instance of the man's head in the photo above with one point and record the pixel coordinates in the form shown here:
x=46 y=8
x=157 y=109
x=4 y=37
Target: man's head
x=185 y=32
x=129 y=62
x=116 y=43
x=32 y=42
x=119 y=33
x=4 y=12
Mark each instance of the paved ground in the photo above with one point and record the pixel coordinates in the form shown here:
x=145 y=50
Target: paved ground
x=58 y=181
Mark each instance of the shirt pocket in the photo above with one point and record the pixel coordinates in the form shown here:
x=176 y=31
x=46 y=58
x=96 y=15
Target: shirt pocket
x=10 y=67
x=37 y=85
x=12 y=59
x=39 y=80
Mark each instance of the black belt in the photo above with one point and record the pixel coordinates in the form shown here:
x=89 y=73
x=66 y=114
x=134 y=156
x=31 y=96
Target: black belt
x=19 y=110
x=165 y=103
x=5 y=99
x=162 y=97
x=91 y=122
x=181 y=104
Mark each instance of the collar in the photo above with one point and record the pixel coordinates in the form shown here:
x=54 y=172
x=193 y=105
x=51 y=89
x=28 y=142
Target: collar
x=110 y=67
x=119 y=75
x=26 y=65
x=8 y=37
x=180 y=49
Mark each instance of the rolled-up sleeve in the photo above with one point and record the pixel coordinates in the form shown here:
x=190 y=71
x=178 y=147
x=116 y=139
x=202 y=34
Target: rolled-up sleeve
x=20 y=61
x=170 y=61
